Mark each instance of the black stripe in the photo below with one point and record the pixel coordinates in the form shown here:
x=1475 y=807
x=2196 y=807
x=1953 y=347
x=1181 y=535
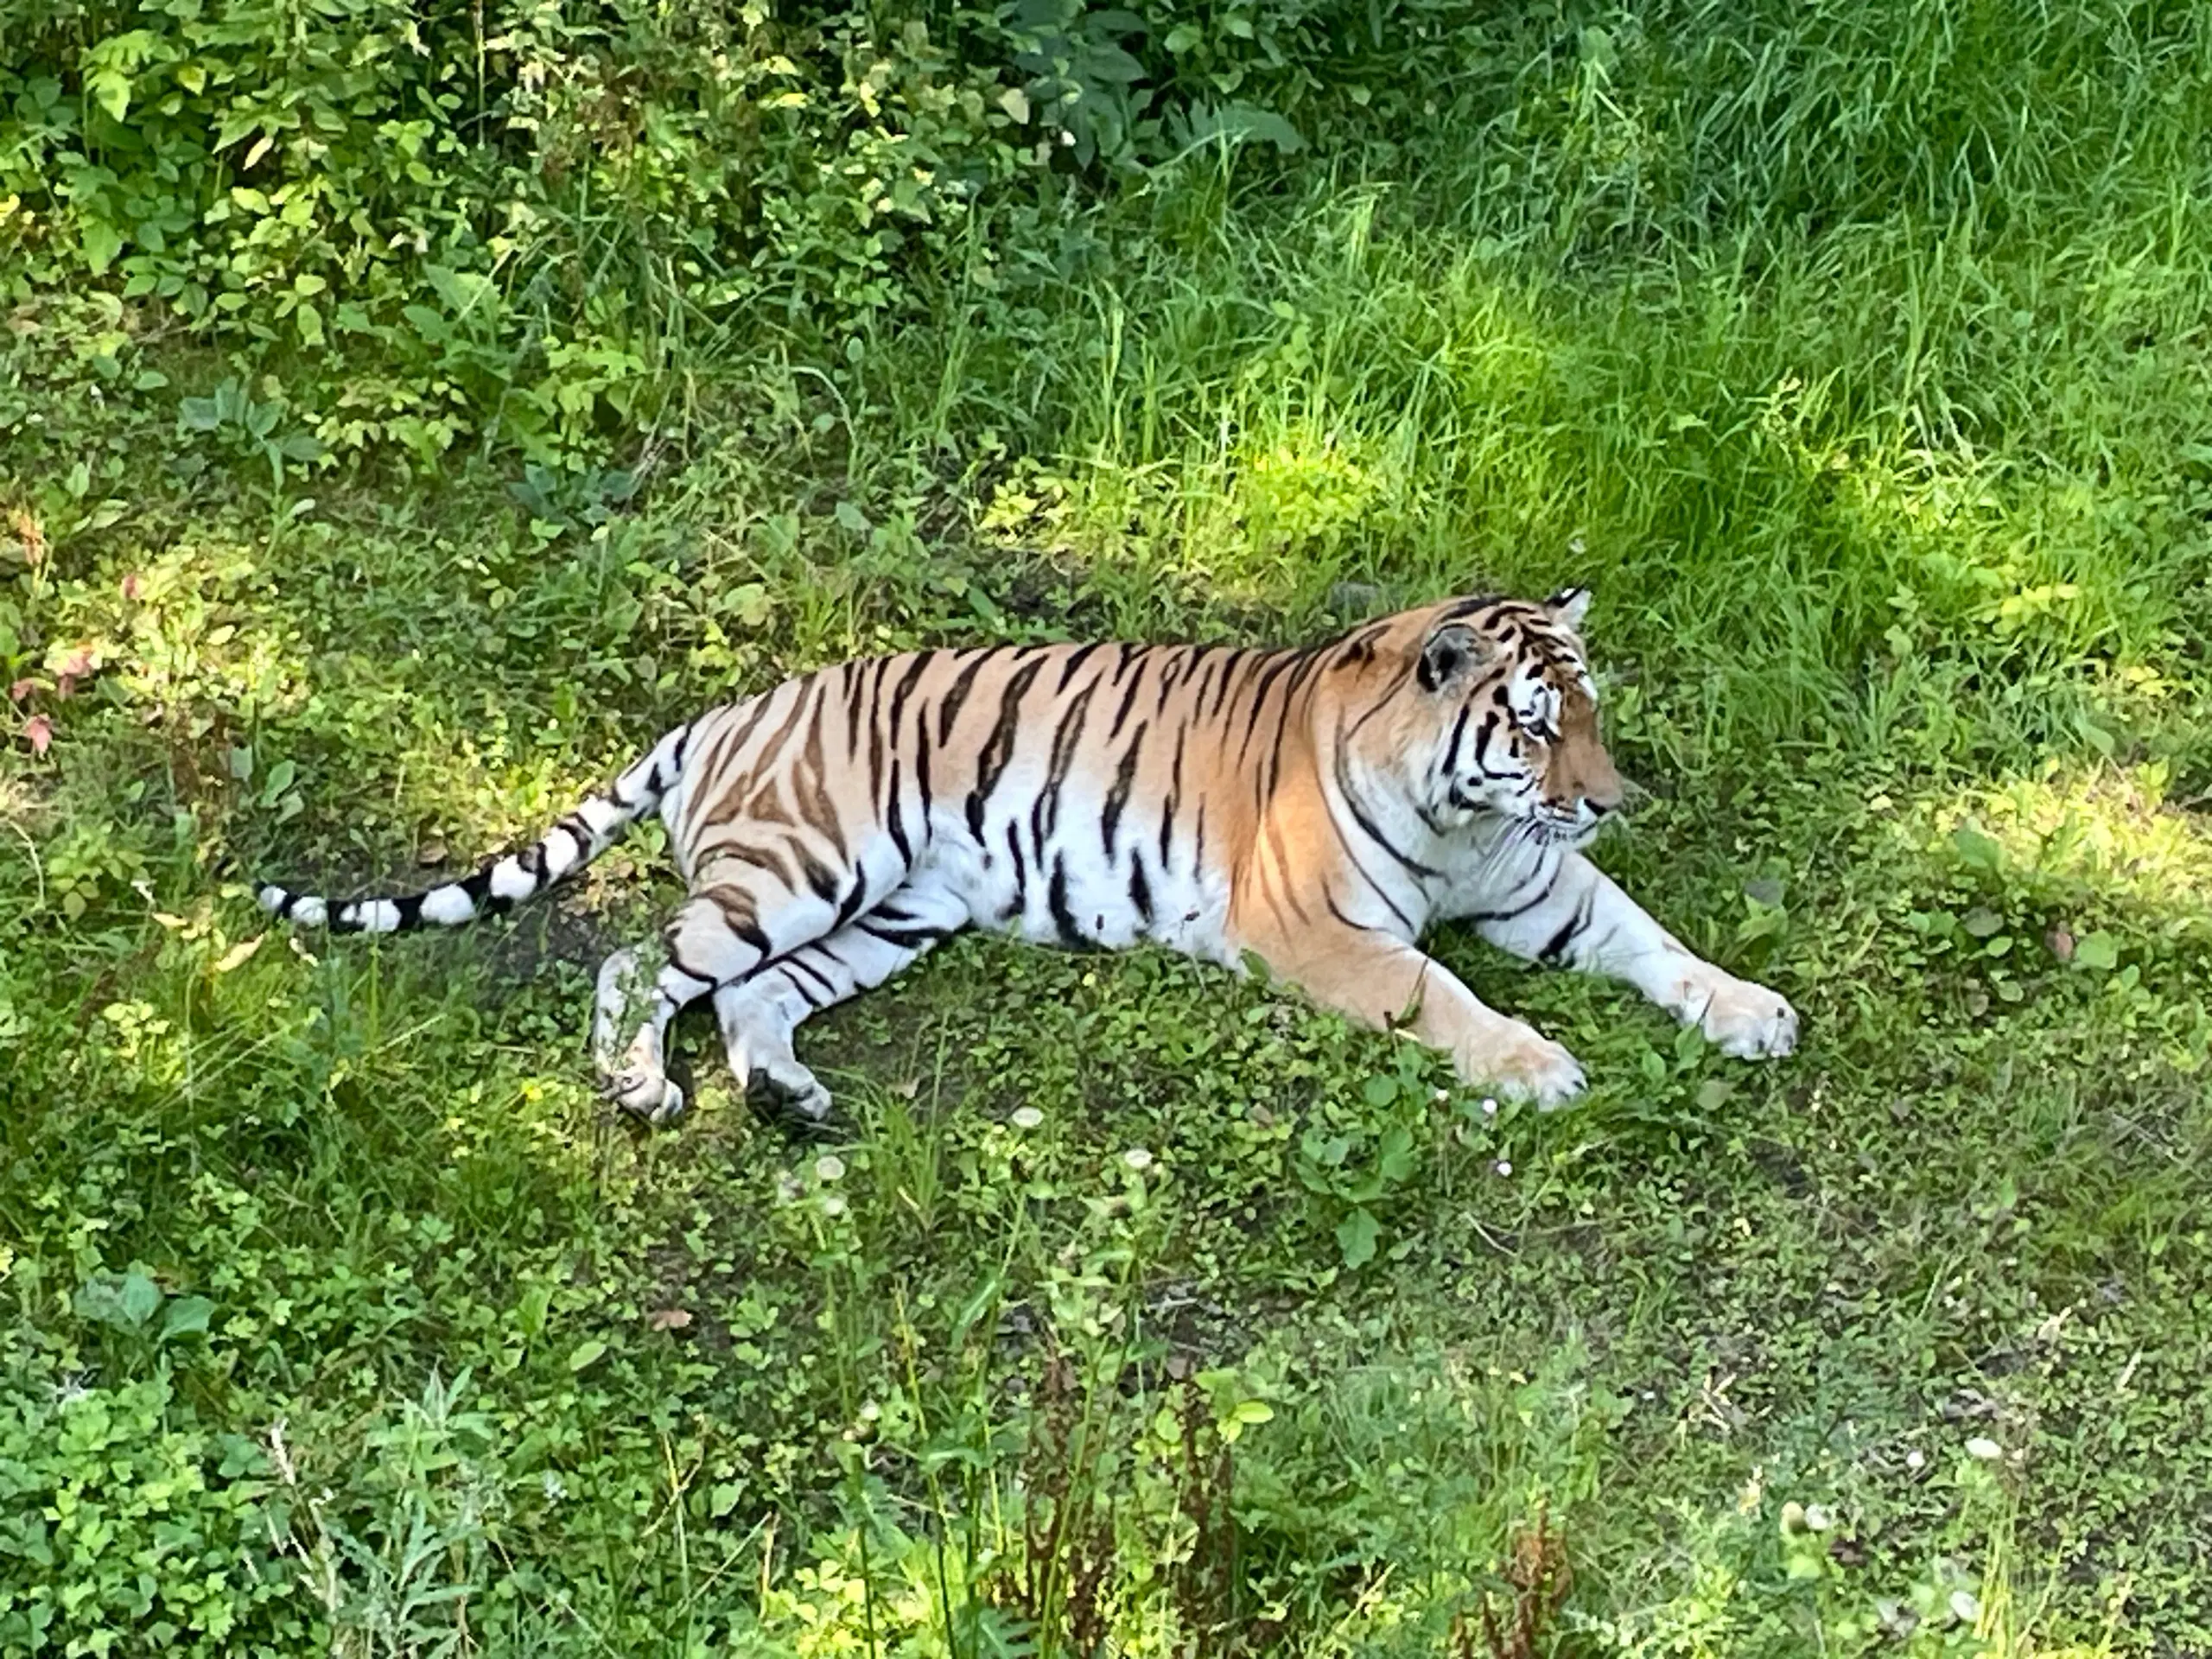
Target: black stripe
x=1368 y=826
x=1458 y=731
x=922 y=768
x=410 y=912
x=1180 y=662
x=1075 y=661
x=1328 y=897
x=948 y=709
x=875 y=731
x=1479 y=916
x=1174 y=800
x=818 y=876
x=1467 y=607
x=1310 y=662
x=1117 y=798
x=1020 y=870
x=744 y=733
x=676 y=962
x=895 y=818
x=1140 y=888
x=1556 y=946
x=855 y=679
x=904 y=688
x=1234 y=661
x=903 y=938
x=1545 y=878
x=852 y=903
x=998 y=750
x=1129 y=701
x=1351 y=857
x=1274 y=671
x=1055 y=899
x=1274 y=744
x=1205 y=676
x=1067 y=737
x=478 y=887
x=797 y=962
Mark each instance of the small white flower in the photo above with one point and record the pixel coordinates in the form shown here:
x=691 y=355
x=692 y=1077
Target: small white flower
x=1914 y=1459
x=832 y=1206
x=555 y=1491
x=1490 y=1107
x=1985 y=1448
x=870 y=1411
x=1505 y=1165
x=1443 y=1095
x=829 y=1167
x=1026 y=1117
x=1819 y=1517
x=1966 y=1607
x=1137 y=1157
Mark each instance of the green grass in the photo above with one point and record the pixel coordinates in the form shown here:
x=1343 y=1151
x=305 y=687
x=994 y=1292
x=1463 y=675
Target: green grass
x=1855 y=355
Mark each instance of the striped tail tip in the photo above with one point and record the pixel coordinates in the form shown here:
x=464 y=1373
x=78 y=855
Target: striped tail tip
x=304 y=908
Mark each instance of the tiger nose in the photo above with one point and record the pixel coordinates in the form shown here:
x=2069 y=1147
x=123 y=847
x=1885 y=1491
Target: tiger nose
x=1603 y=794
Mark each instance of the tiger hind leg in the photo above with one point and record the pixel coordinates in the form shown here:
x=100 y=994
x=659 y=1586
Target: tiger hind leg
x=759 y=1016
x=715 y=938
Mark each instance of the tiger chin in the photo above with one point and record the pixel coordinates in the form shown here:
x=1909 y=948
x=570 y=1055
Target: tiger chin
x=1318 y=808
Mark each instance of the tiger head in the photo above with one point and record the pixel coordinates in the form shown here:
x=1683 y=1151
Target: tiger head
x=1503 y=720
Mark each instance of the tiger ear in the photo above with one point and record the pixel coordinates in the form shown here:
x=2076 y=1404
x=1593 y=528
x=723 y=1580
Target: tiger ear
x=1448 y=656
x=1570 y=606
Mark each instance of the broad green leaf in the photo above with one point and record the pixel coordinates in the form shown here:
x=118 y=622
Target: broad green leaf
x=138 y=1297
x=102 y=243
x=111 y=90
x=584 y=1352
x=2098 y=951
x=186 y=1316
x=1356 y=1237
x=1977 y=850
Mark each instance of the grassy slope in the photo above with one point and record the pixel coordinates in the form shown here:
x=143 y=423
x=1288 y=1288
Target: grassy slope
x=1870 y=398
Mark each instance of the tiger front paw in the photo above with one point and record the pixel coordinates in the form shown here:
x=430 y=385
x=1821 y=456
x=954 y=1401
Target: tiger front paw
x=1522 y=1064
x=1746 y=1021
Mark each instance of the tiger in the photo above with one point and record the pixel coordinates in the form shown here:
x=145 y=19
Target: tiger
x=1307 y=812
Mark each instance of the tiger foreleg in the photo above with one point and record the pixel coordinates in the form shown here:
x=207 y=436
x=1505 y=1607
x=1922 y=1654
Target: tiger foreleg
x=1586 y=922
x=1380 y=980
